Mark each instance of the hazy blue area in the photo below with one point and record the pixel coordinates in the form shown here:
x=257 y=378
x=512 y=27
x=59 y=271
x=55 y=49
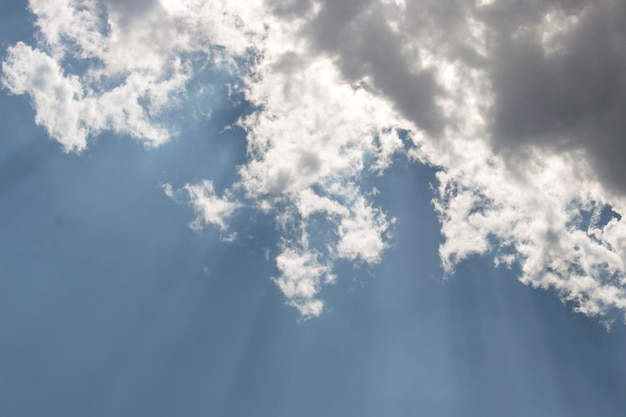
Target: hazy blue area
x=111 y=306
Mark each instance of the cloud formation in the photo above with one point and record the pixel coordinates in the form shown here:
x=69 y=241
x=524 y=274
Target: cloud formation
x=210 y=209
x=519 y=105
x=71 y=112
x=117 y=65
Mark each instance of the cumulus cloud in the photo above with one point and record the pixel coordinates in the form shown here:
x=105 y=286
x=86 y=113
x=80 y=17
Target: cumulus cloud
x=210 y=208
x=55 y=97
x=71 y=113
x=300 y=280
x=519 y=105
x=118 y=65
x=552 y=85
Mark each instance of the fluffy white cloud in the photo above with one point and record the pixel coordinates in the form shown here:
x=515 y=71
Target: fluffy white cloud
x=210 y=209
x=362 y=233
x=300 y=280
x=71 y=112
x=519 y=105
x=537 y=220
x=56 y=98
x=117 y=66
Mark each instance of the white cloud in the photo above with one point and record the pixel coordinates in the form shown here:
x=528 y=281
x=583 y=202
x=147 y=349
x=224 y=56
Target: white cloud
x=315 y=131
x=210 y=208
x=308 y=147
x=71 y=113
x=309 y=202
x=362 y=233
x=334 y=85
x=56 y=98
x=128 y=62
x=300 y=280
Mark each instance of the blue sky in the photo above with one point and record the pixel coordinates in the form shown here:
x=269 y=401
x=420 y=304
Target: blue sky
x=120 y=298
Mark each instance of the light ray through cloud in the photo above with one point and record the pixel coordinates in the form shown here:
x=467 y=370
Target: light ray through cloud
x=327 y=110
x=345 y=168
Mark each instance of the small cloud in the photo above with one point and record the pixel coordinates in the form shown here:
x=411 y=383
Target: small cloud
x=209 y=207
x=300 y=280
x=168 y=190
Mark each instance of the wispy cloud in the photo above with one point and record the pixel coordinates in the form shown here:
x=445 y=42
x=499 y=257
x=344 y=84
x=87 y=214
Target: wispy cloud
x=210 y=208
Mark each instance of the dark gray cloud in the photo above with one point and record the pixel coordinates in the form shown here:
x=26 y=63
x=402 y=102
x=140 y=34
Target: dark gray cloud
x=290 y=8
x=365 y=46
x=574 y=99
x=129 y=10
x=131 y=7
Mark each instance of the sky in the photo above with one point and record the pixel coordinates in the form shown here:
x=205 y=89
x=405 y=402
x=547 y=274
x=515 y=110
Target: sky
x=307 y=208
